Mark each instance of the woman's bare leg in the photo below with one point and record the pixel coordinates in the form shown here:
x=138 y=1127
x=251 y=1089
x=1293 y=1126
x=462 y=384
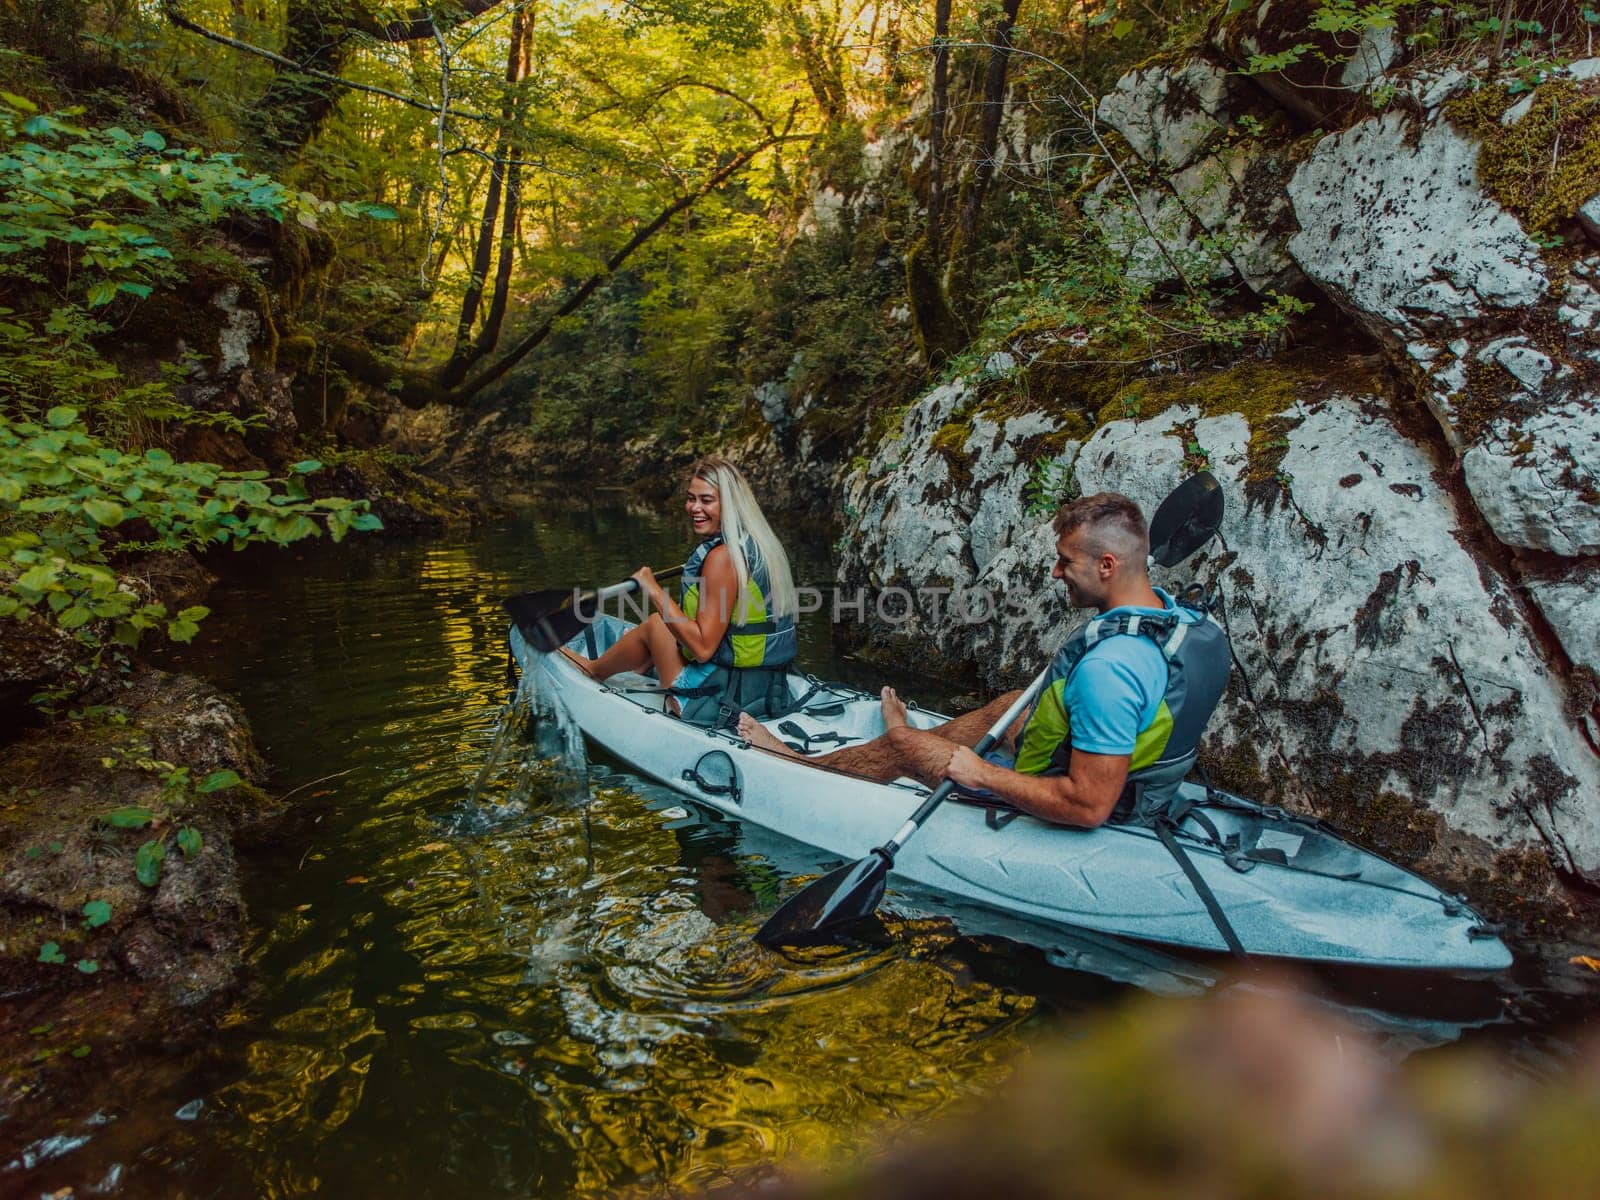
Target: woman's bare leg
x=650 y=643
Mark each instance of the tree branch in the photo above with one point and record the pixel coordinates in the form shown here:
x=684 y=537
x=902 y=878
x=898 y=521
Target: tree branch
x=583 y=291
x=176 y=17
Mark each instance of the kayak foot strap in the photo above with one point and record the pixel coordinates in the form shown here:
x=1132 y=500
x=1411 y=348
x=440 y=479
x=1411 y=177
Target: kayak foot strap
x=1166 y=830
x=996 y=817
x=826 y=738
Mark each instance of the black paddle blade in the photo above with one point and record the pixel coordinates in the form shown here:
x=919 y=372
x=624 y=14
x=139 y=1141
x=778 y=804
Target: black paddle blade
x=548 y=619
x=838 y=898
x=1187 y=519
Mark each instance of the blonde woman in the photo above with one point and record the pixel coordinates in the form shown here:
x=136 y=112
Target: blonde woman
x=722 y=646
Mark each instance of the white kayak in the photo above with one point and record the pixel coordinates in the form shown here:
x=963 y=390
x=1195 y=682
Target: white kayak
x=1289 y=887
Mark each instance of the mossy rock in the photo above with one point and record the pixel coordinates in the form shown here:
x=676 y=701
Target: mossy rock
x=1544 y=166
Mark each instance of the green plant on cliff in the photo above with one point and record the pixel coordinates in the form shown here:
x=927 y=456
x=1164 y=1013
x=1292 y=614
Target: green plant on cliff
x=1078 y=289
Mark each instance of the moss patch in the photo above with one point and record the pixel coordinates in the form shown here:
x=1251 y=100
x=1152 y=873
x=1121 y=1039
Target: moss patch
x=949 y=443
x=1544 y=166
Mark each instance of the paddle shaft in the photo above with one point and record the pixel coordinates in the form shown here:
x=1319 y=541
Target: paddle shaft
x=996 y=731
x=632 y=585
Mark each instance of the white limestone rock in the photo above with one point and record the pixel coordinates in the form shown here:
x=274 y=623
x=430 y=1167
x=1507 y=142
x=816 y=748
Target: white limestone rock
x=1394 y=225
x=1537 y=481
x=1376 y=655
x=1169 y=114
x=1371 y=645
x=1238 y=195
x=1589 y=217
x=239 y=334
x=1176 y=240
x=1569 y=598
x=1375 y=53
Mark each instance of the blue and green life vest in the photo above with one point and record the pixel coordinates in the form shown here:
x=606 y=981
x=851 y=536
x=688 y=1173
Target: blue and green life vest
x=1198 y=661
x=754 y=638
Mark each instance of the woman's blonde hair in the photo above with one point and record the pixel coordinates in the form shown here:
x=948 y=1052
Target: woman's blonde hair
x=742 y=518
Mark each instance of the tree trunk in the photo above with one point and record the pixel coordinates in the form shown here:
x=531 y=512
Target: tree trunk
x=489 y=335
x=936 y=123
x=938 y=332
x=466 y=352
x=319 y=35
x=976 y=188
x=822 y=69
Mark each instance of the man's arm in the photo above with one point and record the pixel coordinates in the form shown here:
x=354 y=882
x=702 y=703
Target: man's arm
x=1084 y=797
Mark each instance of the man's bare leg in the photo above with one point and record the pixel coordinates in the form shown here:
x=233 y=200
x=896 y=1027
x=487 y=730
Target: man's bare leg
x=921 y=753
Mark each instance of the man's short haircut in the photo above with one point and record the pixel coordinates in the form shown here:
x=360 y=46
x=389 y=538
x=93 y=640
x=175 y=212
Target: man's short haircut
x=1110 y=522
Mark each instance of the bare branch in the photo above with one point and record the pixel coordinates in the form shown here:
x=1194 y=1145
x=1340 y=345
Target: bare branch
x=176 y=17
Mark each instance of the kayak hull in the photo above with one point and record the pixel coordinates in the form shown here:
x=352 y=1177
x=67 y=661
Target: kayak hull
x=1329 y=902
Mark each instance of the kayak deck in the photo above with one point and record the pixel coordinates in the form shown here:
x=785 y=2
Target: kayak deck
x=1289 y=887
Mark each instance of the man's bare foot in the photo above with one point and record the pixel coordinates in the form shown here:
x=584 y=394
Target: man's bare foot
x=894 y=710
x=759 y=736
x=583 y=664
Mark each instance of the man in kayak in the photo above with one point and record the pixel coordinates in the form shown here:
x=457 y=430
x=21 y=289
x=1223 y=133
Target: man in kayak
x=1116 y=727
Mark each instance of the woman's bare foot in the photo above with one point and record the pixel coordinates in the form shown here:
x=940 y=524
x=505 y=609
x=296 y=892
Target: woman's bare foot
x=894 y=710
x=583 y=664
x=759 y=736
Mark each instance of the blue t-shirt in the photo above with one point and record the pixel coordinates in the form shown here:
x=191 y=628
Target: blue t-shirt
x=1114 y=694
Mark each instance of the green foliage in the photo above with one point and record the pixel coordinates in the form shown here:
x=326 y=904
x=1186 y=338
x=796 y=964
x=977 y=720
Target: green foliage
x=115 y=201
x=68 y=501
x=1049 y=485
x=50 y=952
x=189 y=841
x=130 y=817
x=96 y=913
x=1530 y=49
x=218 y=781
x=147 y=862
x=1075 y=288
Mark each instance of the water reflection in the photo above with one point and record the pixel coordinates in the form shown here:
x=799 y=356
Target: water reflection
x=475 y=971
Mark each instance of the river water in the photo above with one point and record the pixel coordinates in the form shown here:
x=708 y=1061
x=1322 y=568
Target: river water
x=532 y=987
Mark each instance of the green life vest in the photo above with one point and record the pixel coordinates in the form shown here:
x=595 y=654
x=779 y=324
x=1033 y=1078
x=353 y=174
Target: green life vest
x=753 y=638
x=1198 y=661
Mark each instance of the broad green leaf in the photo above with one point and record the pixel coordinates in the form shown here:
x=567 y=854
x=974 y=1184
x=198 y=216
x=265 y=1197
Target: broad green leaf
x=195 y=612
x=102 y=292
x=21 y=103
x=147 y=862
x=50 y=952
x=153 y=139
x=61 y=416
x=88 y=966
x=366 y=522
x=140 y=290
x=75 y=617
x=1122 y=28
x=189 y=841
x=130 y=817
x=104 y=512
x=306 y=466
x=218 y=781
x=96 y=913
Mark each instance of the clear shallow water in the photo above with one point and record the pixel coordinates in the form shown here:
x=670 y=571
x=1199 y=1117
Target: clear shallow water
x=513 y=985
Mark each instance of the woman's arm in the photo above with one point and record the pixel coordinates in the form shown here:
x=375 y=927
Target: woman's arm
x=719 y=591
